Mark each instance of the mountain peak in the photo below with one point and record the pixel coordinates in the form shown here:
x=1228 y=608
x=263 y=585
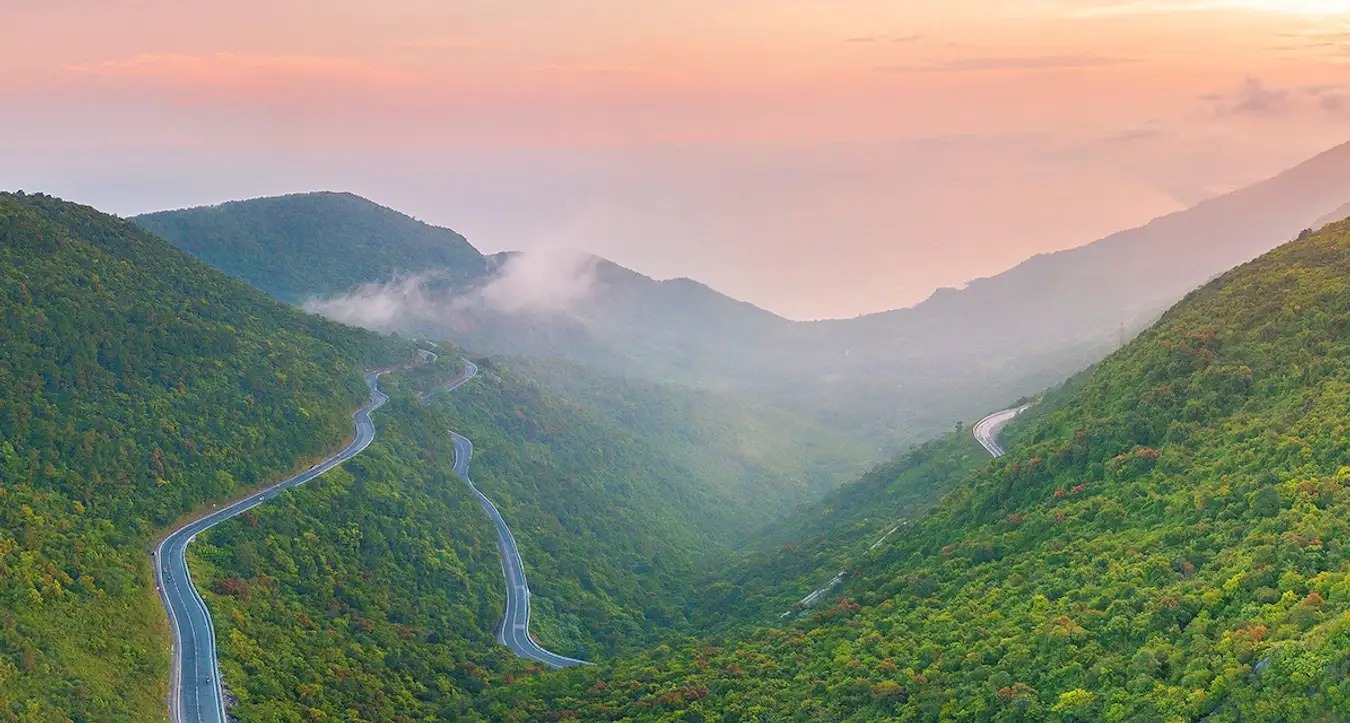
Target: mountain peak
x=331 y=241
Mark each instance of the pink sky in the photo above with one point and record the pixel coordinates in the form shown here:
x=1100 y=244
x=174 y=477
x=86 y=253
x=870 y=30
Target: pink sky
x=816 y=158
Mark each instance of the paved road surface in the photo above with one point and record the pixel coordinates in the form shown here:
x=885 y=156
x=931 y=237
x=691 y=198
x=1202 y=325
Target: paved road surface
x=514 y=631
x=195 y=693
x=986 y=430
x=194 y=685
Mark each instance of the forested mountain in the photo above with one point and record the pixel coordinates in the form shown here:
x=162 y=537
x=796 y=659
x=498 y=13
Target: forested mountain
x=764 y=459
x=806 y=549
x=387 y=565
x=1164 y=541
x=314 y=243
x=136 y=383
x=890 y=379
x=140 y=384
x=1040 y=321
x=372 y=593
x=614 y=520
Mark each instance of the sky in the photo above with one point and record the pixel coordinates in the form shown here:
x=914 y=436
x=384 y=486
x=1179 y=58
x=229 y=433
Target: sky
x=819 y=159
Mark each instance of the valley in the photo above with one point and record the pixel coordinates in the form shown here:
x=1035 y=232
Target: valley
x=1156 y=537
x=889 y=379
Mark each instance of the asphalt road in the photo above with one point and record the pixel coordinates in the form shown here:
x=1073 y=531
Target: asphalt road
x=194 y=685
x=514 y=631
x=195 y=693
x=986 y=430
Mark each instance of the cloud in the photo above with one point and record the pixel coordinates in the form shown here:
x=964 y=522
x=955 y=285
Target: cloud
x=1305 y=8
x=231 y=70
x=1132 y=135
x=886 y=38
x=398 y=304
x=544 y=280
x=539 y=282
x=1255 y=98
x=998 y=63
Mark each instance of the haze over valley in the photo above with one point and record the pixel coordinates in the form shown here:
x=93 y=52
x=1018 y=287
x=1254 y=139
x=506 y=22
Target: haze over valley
x=415 y=361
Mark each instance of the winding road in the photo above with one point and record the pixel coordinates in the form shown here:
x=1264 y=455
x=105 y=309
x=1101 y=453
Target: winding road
x=514 y=631
x=194 y=684
x=195 y=693
x=986 y=430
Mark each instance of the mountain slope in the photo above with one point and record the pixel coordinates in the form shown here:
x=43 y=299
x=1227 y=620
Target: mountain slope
x=892 y=378
x=1163 y=541
x=629 y=324
x=1029 y=327
x=372 y=592
x=135 y=384
x=314 y=243
x=759 y=457
x=376 y=566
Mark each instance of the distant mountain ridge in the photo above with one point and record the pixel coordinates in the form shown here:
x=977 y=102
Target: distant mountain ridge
x=892 y=377
x=1339 y=214
x=1163 y=541
x=347 y=240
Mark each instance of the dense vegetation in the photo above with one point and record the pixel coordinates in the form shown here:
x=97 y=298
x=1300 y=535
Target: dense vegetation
x=389 y=568
x=314 y=243
x=808 y=548
x=373 y=593
x=611 y=527
x=1165 y=541
x=762 y=459
x=135 y=384
x=140 y=384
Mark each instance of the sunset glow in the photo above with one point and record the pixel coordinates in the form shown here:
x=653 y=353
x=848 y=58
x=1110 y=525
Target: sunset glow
x=917 y=133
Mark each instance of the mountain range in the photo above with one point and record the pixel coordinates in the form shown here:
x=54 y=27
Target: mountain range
x=1162 y=541
x=890 y=378
x=139 y=385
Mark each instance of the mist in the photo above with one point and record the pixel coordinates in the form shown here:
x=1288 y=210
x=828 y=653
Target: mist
x=543 y=281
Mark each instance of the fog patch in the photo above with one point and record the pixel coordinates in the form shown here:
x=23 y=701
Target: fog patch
x=542 y=281
x=383 y=306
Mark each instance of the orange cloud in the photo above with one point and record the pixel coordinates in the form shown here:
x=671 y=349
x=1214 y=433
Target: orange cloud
x=231 y=71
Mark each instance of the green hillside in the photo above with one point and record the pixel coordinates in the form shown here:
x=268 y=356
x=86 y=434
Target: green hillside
x=135 y=384
x=314 y=243
x=1164 y=541
x=372 y=593
x=612 y=525
x=140 y=384
x=806 y=549
x=762 y=459
x=376 y=589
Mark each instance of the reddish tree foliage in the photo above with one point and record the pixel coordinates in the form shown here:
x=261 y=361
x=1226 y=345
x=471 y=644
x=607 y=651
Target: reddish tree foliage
x=235 y=587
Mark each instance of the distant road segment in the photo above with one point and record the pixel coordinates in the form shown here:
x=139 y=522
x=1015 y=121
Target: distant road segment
x=514 y=631
x=986 y=430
